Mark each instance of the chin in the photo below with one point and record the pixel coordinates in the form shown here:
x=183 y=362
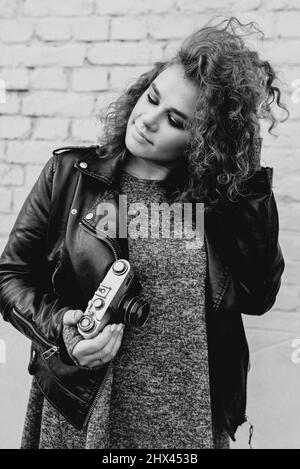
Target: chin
x=134 y=147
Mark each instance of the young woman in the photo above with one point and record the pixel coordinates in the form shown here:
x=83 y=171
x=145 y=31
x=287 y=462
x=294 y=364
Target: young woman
x=186 y=132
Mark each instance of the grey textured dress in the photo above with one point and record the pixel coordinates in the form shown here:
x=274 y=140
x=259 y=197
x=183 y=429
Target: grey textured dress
x=157 y=394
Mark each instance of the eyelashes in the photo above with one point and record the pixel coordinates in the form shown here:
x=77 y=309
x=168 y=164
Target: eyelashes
x=172 y=121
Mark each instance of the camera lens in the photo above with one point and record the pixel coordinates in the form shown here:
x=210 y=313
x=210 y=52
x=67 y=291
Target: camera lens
x=136 y=311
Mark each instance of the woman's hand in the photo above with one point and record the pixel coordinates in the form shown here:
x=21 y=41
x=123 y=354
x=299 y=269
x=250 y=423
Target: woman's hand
x=98 y=350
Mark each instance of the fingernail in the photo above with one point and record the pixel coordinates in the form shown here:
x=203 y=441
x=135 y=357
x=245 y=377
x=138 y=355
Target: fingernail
x=112 y=327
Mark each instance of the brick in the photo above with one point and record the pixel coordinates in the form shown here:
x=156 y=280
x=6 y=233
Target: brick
x=157 y=6
x=8 y=8
x=11 y=175
x=288 y=298
x=5 y=200
x=91 y=29
x=104 y=99
x=6 y=56
x=287 y=135
x=281 y=52
x=56 y=104
x=13 y=31
x=204 y=5
x=292 y=272
x=12 y=104
x=117 y=7
x=282 y=4
x=290 y=244
x=48 y=78
x=32 y=152
x=120 y=53
x=288 y=187
x=157 y=52
x=69 y=55
x=32 y=173
x=48 y=128
x=54 y=29
x=2 y=149
x=289 y=215
x=288 y=74
x=18 y=199
x=121 y=77
x=129 y=28
x=14 y=127
x=85 y=129
x=288 y=24
x=284 y=161
x=294 y=108
x=133 y=7
x=15 y=78
x=58 y=7
x=173 y=26
x=90 y=79
x=6 y=223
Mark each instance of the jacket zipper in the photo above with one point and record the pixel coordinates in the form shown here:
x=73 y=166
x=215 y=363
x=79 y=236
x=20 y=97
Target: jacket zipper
x=96 y=398
x=53 y=348
x=115 y=248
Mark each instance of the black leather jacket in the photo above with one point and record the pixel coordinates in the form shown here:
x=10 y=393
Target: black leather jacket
x=53 y=261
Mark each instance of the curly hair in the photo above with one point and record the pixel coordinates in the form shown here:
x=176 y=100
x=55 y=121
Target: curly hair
x=236 y=90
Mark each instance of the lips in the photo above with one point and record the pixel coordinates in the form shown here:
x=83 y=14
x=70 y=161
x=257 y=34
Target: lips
x=141 y=134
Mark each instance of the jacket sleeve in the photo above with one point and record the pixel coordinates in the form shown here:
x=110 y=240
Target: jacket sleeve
x=26 y=297
x=254 y=255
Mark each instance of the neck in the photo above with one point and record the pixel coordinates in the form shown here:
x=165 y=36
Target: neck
x=145 y=169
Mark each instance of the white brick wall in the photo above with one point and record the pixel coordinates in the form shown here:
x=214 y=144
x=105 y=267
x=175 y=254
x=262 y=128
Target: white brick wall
x=63 y=60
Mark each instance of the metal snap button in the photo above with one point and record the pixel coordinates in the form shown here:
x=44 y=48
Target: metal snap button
x=89 y=215
x=83 y=165
x=73 y=211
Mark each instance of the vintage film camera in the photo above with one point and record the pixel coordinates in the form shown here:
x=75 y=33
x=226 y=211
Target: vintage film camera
x=113 y=303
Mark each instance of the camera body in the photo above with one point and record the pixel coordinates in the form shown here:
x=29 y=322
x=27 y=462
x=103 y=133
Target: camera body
x=112 y=302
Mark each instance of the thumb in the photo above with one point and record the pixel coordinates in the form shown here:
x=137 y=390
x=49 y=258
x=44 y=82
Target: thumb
x=72 y=316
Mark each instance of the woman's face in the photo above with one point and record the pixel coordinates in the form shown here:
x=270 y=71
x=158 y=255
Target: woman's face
x=159 y=115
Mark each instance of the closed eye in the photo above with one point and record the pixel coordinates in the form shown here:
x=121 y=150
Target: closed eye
x=172 y=121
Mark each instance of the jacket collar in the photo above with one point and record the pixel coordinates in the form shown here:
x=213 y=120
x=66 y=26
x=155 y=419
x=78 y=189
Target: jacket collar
x=93 y=164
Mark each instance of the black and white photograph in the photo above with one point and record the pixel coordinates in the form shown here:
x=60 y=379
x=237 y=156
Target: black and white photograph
x=149 y=227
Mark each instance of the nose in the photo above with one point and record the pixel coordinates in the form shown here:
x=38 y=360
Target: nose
x=150 y=120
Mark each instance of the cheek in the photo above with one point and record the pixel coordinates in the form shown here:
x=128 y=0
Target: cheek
x=176 y=142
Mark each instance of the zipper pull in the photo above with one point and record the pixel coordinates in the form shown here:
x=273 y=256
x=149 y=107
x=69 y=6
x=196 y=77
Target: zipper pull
x=51 y=351
x=251 y=430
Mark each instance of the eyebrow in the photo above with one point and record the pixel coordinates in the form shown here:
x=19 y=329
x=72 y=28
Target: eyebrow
x=181 y=114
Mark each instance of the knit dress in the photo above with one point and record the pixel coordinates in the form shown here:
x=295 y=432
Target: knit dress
x=157 y=394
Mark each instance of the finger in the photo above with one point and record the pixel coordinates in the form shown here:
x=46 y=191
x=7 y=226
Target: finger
x=72 y=316
x=97 y=343
x=117 y=343
x=107 y=351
